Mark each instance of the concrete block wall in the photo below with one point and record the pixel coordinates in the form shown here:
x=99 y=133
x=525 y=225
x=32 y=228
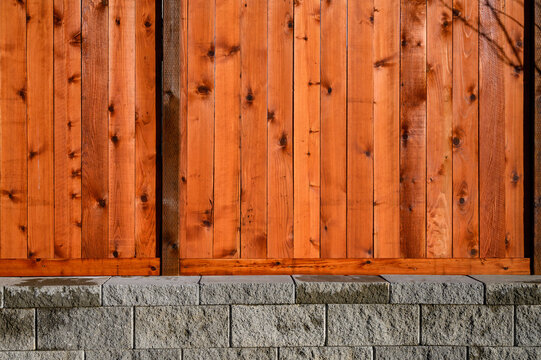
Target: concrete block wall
x=271 y=317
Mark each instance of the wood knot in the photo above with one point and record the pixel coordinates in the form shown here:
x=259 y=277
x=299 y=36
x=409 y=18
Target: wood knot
x=148 y=22
x=461 y=200
x=22 y=94
x=404 y=42
x=515 y=177
x=203 y=90
x=32 y=154
x=76 y=173
x=73 y=78
x=329 y=90
x=206 y=223
x=111 y=108
x=183 y=179
x=144 y=198
x=250 y=97
x=290 y=24
x=473 y=252
x=519 y=44
x=57 y=18
x=114 y=139
x=270 y=115
x=457 y=13
x=473 y=97
x=22 y=228
x=283 y=140
x=117 y=21
x=102 y=203
x=211 y=53
x=456 y=141
x=115 y=254
x=71 y=154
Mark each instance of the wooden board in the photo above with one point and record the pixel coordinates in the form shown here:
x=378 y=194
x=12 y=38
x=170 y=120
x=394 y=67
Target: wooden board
x=67 y=129
x=491 y=133
x=413 y=129
x=439 y=124
x=360 y=128
x=145 y=128
x=334 y=15
x=306 y=129
x=95 y=189
x=253 y=22
x=227 y=131
x=354 y=266
x=386 y=128
x=280 y=129
x=200 y=130
x=536 y=201
x=39 y=119
x=13 y=100
x=80 y=267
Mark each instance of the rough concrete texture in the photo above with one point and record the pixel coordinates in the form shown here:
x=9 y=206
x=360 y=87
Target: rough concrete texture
x=278 y=325
x=512 y=289
x=505 y=353
x=326 y=353
x=151 y=291
x=420 y=352
x=85 y=328
x=428 y=289
x=42 y=355
x=6 y=281
x=54 y=292
x=353 y=325
x=528 y=325
x=17 y=329
x=247 y=290
x=181 y=326
x=337 y=289
x=230 y=354
x=147 y=354
x=467 y=325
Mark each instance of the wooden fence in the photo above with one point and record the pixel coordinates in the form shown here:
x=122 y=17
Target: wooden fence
x=309 y=136
x=78 y=137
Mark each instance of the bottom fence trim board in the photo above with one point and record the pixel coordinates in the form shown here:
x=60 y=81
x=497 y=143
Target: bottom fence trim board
x=515 y=266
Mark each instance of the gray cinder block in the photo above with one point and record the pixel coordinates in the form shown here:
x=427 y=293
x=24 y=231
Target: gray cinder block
x=512 y=289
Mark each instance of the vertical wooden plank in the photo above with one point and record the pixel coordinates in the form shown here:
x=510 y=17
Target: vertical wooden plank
x=513 y=23
x=67 y=129
x=40 y=129
x=360 y=129
x=226 y=131
x=386 y=128
x=413 y=129
x=174 y=134
x=491 y=134
x=306 y=140
x=13 y=156
x=254 y=129
x=200 y=130
x=537 y=126
x=465 y=130
x=121 y=128
x=145 y=129
x=334 y=22
x=439 y=197
x=94 y=132
x=280 y=129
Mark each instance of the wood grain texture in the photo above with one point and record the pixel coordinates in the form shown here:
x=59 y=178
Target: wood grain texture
x=253 y=46
x=200 y=130
x=439 y=125
x=121 y=129
x=39 y=118
x=386 y=128
x=306 y=140
x=513 y=23
x=67 y=129
x=334 y=22
x=174 y=125
x=360 y=129
x=280 y=129
x=537 y=162
x=413 y=129
x=354 y=266
x=491 y=132
x=227 y=131
x=95 y=189
x=145 y=128
x=13 y=99
x=80 y=267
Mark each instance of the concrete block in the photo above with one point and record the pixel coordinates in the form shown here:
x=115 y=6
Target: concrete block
x=505 y=353
x=420 y=352
x=462 y=325
x=338 y=289
x=17 y=329
x=326 y=353
x=230 y=354
x=434 y=289
x=247 y=290
x=528 y=325
x=181 y=326
x=278 y=325
x=353 y=325
x=42 y=355
x=54 y=292
x=147 y=354
x=512 y=289
x=85 y=328
x=151 y=291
